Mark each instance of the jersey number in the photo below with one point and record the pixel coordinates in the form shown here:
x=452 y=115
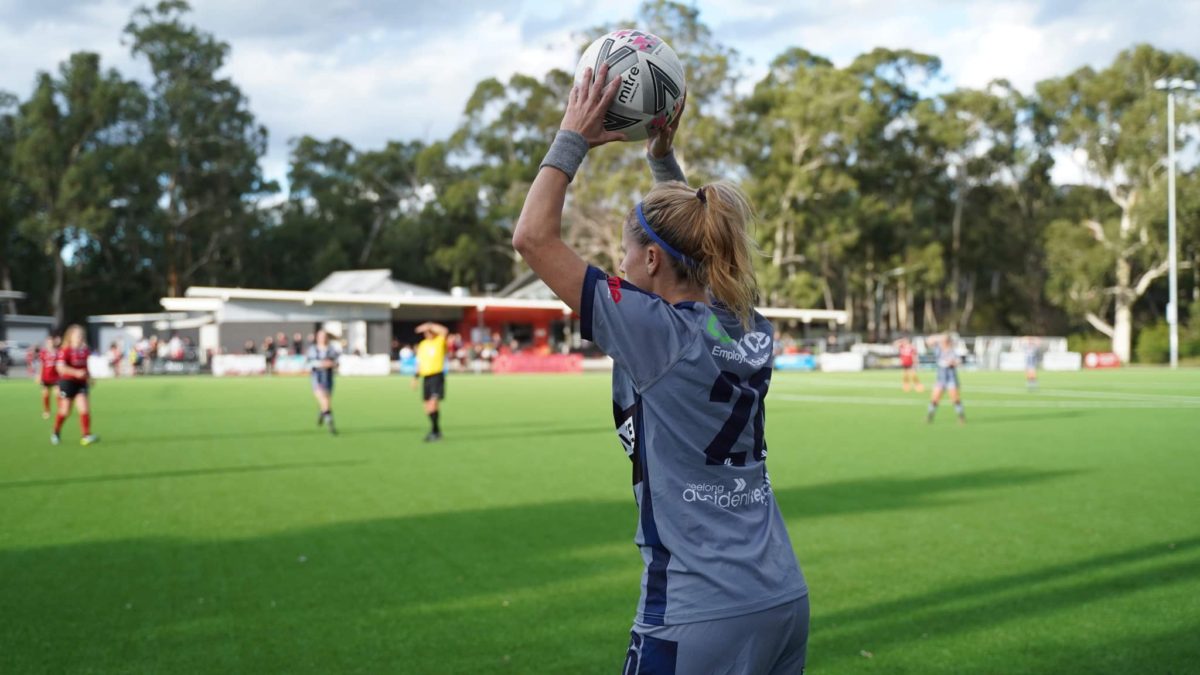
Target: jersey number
x=748 y=403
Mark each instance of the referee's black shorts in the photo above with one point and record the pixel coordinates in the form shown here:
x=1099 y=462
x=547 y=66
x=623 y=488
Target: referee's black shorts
x=434 y=386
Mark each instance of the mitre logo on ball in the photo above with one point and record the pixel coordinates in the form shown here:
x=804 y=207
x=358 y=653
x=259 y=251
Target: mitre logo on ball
x=652 y=81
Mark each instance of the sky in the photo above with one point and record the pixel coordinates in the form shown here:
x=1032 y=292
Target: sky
x=370 y=71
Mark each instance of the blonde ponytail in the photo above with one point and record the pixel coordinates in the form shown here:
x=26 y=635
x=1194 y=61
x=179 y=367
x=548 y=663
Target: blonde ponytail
x=709 y=227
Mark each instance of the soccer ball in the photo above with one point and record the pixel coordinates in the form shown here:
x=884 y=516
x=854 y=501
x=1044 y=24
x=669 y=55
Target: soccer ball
x=652 y=81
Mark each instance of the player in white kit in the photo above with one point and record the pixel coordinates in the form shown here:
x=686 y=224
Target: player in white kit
x=722 y=591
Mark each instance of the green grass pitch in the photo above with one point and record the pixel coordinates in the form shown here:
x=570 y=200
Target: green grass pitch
x=216 y=529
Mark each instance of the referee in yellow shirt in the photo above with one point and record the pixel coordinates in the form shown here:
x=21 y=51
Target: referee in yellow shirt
x=431 y=365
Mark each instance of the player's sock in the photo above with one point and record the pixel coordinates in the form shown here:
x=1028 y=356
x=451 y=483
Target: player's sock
x=85 y=423
x=433 y=418
x=931 y=411
x=329 y=417
x=58 y=422
x=958 y=408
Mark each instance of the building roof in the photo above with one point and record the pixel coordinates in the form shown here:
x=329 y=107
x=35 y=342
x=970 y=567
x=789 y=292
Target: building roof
x=527 y=286
x=375 y=282
x=29 y=319
x=394 y=300
x=377 y=287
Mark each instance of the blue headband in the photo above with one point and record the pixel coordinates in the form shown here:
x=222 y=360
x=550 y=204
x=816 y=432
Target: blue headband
x=659 y=240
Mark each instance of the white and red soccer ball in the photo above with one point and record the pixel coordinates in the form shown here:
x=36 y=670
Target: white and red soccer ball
x=652 y=81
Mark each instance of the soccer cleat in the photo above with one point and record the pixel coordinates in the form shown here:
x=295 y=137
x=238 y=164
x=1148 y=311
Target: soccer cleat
x=55 y=439
x=332 y=429
x=89 y=439
x=433 y=437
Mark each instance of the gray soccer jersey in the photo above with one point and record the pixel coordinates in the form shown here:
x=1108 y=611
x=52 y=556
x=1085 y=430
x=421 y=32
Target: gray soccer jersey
x=688 y=388
x=1031 y=355
x=947 y=366
x=322 y=377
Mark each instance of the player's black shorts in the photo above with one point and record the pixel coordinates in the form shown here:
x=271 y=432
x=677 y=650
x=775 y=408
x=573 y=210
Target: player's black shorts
x=50 y=383
x=69 y=389
x=434 y=386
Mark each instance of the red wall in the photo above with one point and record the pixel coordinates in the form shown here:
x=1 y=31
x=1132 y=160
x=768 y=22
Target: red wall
x=494 y=318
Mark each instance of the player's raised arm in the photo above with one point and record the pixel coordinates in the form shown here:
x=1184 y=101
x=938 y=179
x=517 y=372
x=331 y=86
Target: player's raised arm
x=660 y=151
x=538 y=234
x=433 y=327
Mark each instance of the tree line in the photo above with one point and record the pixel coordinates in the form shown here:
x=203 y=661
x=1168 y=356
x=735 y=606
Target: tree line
x=915 y=211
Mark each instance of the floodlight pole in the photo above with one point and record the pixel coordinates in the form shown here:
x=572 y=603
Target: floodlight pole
x=1173 y=276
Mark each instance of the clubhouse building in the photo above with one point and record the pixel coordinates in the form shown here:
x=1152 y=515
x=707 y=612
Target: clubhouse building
x=368 y=309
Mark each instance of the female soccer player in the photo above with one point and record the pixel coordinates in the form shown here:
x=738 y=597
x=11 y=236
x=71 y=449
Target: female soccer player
x=908 y=361
x=1033 y=347
x=114 y=359
x=721 y=590
x=322 y=360
x=73 y=385
x=48 y=356
x=431 y=369
x=947 y=377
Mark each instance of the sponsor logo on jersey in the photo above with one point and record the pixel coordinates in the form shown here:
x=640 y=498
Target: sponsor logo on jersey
x=717 y=331
x=753 y=349
x=614 y=288
x=737 y=496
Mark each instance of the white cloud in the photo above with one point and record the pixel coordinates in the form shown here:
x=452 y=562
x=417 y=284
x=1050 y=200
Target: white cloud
x=402 y=91
x=34 y=45
x=374 y=70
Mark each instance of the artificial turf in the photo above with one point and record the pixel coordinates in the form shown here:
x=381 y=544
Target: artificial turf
x=216 y=529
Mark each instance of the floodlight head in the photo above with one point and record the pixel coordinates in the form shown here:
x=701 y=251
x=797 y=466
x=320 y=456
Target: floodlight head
x=1163 y=84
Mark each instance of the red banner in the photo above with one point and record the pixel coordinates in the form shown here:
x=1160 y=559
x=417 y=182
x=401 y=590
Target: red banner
x=1101 y=360
x=530 y=363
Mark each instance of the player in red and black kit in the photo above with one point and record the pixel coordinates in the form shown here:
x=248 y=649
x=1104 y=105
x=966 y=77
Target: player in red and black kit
x=908 y=361
x=48 y=356
x=73 y=385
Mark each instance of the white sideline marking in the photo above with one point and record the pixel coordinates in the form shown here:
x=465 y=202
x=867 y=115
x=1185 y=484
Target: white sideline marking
x=986 y=403
x=1022 y=391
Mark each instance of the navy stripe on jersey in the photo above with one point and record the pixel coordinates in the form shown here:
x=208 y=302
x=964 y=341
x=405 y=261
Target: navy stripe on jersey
x=589 y=296
x=655 y=610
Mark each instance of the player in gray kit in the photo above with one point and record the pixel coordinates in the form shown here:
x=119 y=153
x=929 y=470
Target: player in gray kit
x=721 y=590
x=322 y=361
x=947 y=377
x=1033 y=347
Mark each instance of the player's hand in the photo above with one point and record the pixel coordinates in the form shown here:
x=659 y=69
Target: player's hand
x=587 y=104
x=659 y=145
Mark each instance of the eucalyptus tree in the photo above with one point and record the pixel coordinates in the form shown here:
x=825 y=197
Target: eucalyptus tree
x=1112 y=120
x=65 y=138
x=206 y=146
